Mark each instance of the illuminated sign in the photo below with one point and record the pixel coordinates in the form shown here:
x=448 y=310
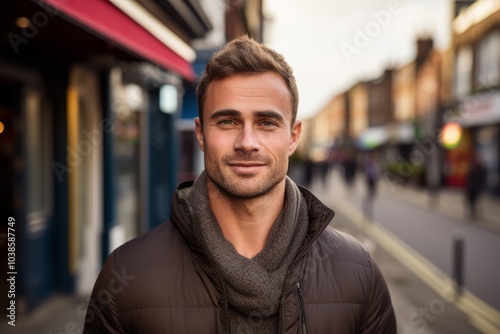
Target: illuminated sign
x=450 y=136
x=168 y=99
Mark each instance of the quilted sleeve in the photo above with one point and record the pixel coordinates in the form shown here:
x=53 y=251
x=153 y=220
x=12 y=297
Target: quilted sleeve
x=379 y=315
x=101 y=314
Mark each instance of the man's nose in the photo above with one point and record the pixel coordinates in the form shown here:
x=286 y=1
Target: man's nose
x=247 y=139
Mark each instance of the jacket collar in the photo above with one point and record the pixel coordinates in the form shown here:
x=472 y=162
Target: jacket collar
x=319 y=217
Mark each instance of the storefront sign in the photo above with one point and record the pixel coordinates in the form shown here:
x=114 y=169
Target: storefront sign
x=373 y=137
x=480 y=109
x=400 y=133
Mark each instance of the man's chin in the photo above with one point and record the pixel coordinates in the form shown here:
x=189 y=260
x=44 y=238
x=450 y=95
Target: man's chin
x=249 y=189
x=245 y=191
x=244 y=186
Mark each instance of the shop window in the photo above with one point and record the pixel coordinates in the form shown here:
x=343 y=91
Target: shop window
x=487 y=145
x=129 y=107
x=463 y=72
x=488 y=61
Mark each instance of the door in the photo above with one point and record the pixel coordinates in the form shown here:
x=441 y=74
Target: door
x=36 y=199
x=85 y=139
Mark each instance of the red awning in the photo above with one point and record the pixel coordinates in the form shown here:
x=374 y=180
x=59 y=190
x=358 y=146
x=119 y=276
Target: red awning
x=107 y=20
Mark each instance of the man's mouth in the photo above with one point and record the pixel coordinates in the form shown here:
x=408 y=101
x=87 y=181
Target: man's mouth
x=246 y=167
x=247 y=164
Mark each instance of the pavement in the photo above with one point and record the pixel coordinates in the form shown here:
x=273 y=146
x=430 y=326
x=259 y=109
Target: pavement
x=419 y=309
x=448 y=202
x=60 y=314
x=418 y=233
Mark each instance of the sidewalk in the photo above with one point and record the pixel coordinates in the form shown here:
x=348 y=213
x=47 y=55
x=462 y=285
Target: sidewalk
x=412 y=299
x=59 y=314
x=448 y=202
x=420 y=238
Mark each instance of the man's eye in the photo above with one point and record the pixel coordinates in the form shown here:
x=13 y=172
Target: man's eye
x=226 y=122
x=268 y=123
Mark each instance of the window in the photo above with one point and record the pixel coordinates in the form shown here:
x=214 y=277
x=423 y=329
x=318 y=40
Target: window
x=488 y=60
x=463 y=72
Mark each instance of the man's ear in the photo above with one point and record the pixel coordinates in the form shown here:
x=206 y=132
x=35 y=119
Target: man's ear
x=294 y=138
x=199 y=133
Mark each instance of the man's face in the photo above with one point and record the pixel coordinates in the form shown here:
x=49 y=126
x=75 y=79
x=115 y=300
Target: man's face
x=247 y=135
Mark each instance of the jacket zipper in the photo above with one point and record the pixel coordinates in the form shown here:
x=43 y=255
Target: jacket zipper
x=298 y=258
x=302 y=314
x=224 y=293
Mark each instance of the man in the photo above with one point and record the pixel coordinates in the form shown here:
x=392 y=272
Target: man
x=371 y=175
x=350 y=167
x=476 y=181
x=246 y=250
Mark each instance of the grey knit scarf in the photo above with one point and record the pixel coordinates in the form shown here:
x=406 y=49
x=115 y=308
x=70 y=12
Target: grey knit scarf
x=254 y=285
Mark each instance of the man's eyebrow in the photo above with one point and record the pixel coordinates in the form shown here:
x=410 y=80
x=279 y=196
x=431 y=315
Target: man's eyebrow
x=270 y=114
x=259 y=114
x=225 y=113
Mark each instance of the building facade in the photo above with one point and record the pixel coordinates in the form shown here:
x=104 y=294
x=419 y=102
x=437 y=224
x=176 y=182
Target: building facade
x=475 y=94
x=90 y=93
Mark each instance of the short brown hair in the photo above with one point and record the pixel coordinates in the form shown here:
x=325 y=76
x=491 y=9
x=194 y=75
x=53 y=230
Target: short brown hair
x=245 y=56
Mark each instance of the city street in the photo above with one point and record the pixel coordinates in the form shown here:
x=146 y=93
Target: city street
x=100 y=110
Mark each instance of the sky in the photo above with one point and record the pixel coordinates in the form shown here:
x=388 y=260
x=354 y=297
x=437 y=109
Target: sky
x=332 y=44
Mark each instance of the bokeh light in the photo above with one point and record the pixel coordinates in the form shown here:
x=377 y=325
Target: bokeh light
x=450 y=135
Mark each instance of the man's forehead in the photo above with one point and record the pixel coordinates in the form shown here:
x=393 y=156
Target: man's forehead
x=268 y=91
x=256 y=80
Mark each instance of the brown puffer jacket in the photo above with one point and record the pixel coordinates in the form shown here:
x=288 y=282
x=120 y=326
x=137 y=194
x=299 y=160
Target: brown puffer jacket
x=162 y=282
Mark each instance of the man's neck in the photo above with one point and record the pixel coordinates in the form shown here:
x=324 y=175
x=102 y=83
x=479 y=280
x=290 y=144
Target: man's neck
x=246 y=223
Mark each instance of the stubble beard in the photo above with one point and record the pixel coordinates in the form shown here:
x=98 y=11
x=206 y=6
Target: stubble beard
x=237 y=187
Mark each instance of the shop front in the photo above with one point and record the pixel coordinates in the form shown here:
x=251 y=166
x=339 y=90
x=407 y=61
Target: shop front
x=88 y=153
x=479 y=118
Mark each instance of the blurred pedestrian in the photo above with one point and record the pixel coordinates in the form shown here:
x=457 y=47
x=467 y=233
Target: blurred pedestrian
x=371 y=170
x=237 y=253
x=350 y=167
x=324 y=170
x=476 y=181
x=308 y=171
